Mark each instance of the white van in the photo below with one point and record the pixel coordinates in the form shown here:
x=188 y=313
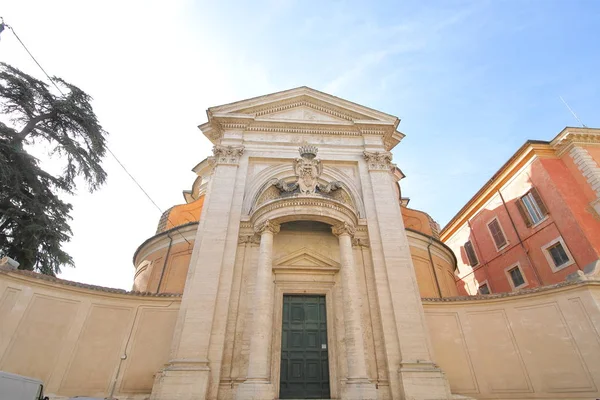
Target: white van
x=17 y=387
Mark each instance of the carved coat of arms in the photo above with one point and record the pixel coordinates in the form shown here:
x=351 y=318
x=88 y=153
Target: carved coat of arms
x=308 y=169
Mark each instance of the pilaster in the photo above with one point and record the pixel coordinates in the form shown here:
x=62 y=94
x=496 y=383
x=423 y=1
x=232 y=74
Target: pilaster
x=193 y=366
x=405 y=332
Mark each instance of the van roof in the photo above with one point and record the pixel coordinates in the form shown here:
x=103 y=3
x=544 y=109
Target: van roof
x=8 y=375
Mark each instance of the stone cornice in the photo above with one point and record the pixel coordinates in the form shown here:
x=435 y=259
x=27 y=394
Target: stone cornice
x=304 y=207
x=526 y=154
x=303 y=102
x=576 y=136
x=542 y=290
x=421 y=240
x=33 y=277
x=187 y=231
x=268 y=103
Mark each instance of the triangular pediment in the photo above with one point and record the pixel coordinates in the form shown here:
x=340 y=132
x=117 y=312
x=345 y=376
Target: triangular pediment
x=302 y=98
x=305 y=258
x=301 y=110
x=303 y=113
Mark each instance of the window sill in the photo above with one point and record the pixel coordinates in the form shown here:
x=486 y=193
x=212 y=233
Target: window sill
x=561 y=267
x=523 y=286
x=498 y=250
x=539 y=222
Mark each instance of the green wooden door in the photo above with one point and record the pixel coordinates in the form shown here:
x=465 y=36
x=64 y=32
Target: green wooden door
x=304 y=361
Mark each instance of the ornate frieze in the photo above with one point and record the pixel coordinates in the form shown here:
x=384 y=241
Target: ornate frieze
x=378 y=160
x=227 y=154
x=267 y=226
x=343 y=228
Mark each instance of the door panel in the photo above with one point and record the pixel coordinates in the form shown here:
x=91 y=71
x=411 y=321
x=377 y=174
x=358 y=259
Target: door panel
x=304 y=357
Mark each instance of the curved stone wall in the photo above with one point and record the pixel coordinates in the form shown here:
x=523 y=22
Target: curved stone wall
x=162 y=261
x=434 y=265
x=161 y=266
x=538 y=343
x=83 y=340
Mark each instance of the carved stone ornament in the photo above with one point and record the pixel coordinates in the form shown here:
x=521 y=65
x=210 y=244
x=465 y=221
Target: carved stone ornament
x=378 y=160
x=267 y=226
x=360 y=242
x=251 y=239
x=308 y=169
x=227 y=154
x=343 y=228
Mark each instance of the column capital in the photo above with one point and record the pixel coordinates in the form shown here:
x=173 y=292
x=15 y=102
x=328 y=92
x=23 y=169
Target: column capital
x=378 y=161
x=343 y=228
x=227 y=154
x=267 y=226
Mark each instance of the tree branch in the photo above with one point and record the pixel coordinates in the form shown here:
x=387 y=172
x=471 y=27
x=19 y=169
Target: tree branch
x=30 y=126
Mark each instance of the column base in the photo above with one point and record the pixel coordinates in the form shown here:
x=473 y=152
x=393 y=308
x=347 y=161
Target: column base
x=255 y=389
x=359 y=389
x=182 y=380
x=424 y=381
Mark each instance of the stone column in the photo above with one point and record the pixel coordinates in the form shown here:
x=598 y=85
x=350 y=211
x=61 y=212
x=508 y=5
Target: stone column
x=358 y=385
x=258 y=383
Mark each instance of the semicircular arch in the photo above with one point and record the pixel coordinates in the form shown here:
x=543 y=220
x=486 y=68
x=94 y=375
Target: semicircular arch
x=282 y=171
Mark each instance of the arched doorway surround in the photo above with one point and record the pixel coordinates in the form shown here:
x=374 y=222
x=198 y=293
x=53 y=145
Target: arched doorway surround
x=272 y=284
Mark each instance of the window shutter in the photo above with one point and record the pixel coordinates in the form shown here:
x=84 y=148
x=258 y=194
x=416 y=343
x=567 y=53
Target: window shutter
x=471 y=254
x=497 y=234
x=523 y=213
x=538 y=200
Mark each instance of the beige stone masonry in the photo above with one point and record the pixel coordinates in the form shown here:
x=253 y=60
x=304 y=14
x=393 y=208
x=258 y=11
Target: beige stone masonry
x=188 y=374
x=258 y=383
x=358 y=384
x=404 y=321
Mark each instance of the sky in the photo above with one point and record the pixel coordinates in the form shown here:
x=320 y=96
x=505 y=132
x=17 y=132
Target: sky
x=470 y=80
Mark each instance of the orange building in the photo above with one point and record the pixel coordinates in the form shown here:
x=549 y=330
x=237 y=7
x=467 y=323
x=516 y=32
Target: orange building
x=536 y=221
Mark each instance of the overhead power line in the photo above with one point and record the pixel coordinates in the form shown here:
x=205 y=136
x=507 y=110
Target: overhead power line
x=2 y=27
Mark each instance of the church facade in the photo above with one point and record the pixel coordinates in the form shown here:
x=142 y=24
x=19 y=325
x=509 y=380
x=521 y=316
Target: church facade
x=301 y=282
x=295 y=270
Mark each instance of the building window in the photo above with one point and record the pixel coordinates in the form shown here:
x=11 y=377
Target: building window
x=515 y=276
x=532 y=208
x=484 y=288
x=557 y=254
x=471 y=254
x=497 y=234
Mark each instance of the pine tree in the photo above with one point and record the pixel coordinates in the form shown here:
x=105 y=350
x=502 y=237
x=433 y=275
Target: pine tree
x=34 y=221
